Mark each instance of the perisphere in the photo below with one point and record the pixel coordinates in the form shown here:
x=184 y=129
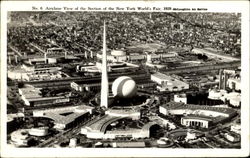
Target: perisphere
x=124 y=87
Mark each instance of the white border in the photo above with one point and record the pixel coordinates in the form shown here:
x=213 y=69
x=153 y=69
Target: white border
x=212 y=6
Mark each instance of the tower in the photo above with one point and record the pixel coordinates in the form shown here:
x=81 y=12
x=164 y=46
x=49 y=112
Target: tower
x=45 y=57
x=225 y=80
x=104 y=83
x=220 y=78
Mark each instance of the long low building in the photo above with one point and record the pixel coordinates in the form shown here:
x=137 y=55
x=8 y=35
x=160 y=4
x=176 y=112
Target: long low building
x=123 y=56
x=32 y=97
x=181 y=108
x=168 y=83
x=112 y=67
x=200 y=121
x=65 y=117
x=33 y=73
x=142 y=81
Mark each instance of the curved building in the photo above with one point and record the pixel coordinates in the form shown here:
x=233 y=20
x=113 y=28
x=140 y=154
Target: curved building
x=20 y=137
x=196 y=115
x=187 y=109
x=134 y=114
x=40 y=131
x=98 y=129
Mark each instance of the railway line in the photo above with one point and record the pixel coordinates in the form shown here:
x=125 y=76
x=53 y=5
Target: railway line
x=15 y=50
x=66 y=81
x=60 y=137
x=189 y=69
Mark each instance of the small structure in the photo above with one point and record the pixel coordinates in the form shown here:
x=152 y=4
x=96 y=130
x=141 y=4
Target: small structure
x=234 y=83
x=180 y=98
x=232 y=137
x=236 y=128
x=73 y=142
x=40 y=131
x=190 y=135
x=20 y=137
x=128 y=144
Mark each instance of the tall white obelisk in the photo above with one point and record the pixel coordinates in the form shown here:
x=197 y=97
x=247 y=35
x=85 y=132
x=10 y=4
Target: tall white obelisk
x=104 y=84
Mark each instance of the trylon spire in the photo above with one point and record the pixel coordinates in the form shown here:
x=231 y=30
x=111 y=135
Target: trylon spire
x=104 y=82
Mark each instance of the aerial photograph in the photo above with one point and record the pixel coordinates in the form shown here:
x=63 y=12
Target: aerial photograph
x=95 y=79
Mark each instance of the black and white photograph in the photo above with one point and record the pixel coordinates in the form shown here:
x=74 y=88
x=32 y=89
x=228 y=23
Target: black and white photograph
x=127 y=77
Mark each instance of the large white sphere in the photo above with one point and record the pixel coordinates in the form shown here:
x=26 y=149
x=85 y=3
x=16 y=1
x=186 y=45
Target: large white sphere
x=124 y=87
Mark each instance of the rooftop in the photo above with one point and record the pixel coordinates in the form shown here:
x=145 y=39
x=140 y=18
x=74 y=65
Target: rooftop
x=125 y=132
x=169 y=79
x=97 y=125
x=30 y=92
x=34 y=94
x=175 y=106
x=130 y=144
x=198 y=117
x=65 y=115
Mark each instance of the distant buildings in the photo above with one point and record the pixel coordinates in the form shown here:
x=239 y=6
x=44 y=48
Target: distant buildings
x=33 y=73
x=111 y=67
x=123 y=56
